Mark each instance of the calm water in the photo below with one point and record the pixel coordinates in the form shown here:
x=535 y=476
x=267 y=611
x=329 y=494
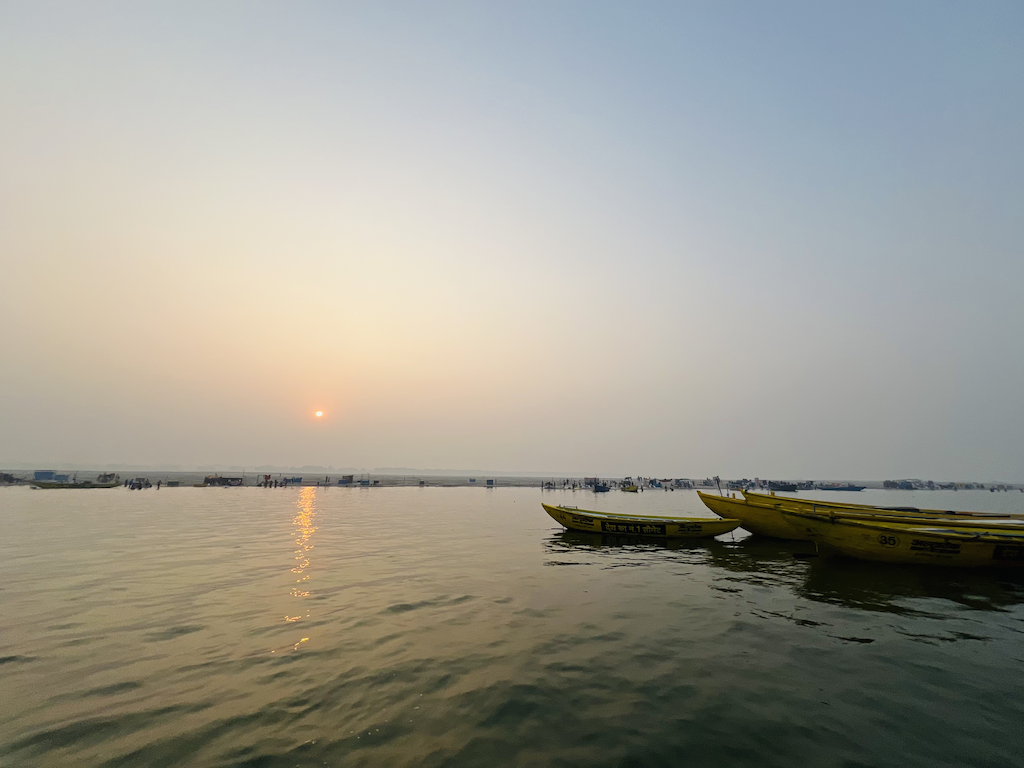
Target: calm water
x=462 y=627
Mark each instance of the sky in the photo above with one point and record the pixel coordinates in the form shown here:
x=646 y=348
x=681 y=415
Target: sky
x=736 y=238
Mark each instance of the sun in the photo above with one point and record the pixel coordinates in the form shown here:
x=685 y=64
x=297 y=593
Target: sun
x=319 y=414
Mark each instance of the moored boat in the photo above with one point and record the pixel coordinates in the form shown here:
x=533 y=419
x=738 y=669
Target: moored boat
x=760 y=520
x=105 y=480
x=929 y=542
x=639 y=525
x=85 y=484
x=813 y=505
x=839 y=487
x=630 y=488
x=763 y=515
x=908 y=518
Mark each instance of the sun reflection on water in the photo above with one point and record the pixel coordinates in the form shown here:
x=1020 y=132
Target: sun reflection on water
x=305 y=527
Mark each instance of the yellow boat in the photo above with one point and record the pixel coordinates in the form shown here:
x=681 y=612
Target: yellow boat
x=930 y=542
x=810 y=505
x=762 y=515
x=762 y=520
x=639 y=525
x=882 y=516
x=630 y=488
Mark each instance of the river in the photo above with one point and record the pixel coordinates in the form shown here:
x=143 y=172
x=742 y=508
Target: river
x=464 y=627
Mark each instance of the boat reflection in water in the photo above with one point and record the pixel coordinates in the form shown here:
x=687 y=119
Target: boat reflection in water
x=865 y=585
x=795 y=567
x=613 y=545
x=909 y=589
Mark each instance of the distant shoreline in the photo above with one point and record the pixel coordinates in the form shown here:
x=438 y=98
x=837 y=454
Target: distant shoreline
x=13 y=477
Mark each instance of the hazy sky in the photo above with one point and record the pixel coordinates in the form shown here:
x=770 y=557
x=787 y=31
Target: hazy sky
x=756 y=238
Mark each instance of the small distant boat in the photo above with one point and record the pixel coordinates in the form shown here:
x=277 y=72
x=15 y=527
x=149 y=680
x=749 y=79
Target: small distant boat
x=217 y=480
x=839 y=487
x=929 y=542
x=601 y=488
x=640 y=525
x=85 y=484
x=784 y=487
x=630 y=489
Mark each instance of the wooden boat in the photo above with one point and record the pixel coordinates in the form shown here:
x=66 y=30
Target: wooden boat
x=907 y=518
x=601 y=488
x=913 y=542
x=630 y=488
x=85 y=484
x=105 y=480
x=765 y=515
x=812 y=505
x=840 y=487
x=639 y=525
x=762 y=520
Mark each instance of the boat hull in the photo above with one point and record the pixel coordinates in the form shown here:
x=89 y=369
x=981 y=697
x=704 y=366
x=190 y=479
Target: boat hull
x=842 y=507
x=50 y=486
x=759 y=520
x=927 y=543
x=630 y=525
